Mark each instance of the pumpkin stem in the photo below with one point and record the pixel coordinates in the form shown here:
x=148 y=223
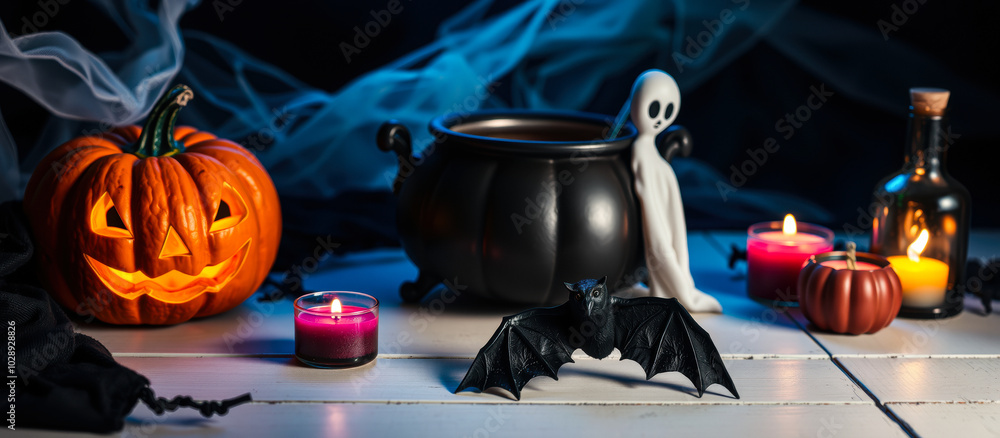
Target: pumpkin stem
x=157 y=138
x=852 y=258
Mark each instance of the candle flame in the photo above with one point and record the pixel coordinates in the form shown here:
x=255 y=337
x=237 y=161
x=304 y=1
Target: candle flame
x=335 y=307
x=913 y=251
x=789 y=226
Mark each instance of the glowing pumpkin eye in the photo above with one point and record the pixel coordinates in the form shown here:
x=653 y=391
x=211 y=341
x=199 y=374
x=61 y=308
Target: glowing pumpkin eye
x=223 y=211
x=114 y=219
x=106 y=221
x=231 y=210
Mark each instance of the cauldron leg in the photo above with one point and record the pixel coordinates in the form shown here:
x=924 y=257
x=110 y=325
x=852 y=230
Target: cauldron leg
x=412 y=292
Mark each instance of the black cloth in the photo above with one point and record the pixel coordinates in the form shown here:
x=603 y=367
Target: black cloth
x=982 y=277
x=62 y=379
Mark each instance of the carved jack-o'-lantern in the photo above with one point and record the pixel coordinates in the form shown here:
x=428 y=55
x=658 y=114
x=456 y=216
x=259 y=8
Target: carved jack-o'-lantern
x=154 y=225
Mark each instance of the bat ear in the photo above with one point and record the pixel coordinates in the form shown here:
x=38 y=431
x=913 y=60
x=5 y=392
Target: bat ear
x=602 y=281
x=569 y=286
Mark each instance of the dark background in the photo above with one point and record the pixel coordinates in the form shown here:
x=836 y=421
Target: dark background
x=834 y=160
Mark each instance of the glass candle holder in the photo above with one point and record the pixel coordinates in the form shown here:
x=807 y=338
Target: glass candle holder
x=336 y=329
x=921 y=215
x=774 y=259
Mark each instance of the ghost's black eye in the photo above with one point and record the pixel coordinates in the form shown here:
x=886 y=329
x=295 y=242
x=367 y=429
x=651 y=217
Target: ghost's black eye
x=578 y=296
x=654 y=109
x=669 y=111
x=596 y=293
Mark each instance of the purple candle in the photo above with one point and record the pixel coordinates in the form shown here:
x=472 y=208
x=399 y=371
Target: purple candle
x=336 y=329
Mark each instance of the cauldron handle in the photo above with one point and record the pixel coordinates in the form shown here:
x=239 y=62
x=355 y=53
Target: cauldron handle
x=676 y=140
x=393 y=136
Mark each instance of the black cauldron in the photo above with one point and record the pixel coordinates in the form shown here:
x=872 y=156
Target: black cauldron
x=511 y=204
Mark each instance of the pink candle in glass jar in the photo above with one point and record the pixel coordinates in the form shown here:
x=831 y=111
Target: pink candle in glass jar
x=776 y=252
x=336 y=329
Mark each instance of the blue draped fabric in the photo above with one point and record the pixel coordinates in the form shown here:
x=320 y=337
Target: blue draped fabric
x=555 y=54
x=315 y=144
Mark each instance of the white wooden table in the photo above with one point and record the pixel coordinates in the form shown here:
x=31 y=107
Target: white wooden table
x=915 y=377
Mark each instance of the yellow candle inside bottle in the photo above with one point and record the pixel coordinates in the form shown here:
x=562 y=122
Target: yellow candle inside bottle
x=924 y=280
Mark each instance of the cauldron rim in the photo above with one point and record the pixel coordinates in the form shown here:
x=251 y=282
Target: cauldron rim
x=441 y=127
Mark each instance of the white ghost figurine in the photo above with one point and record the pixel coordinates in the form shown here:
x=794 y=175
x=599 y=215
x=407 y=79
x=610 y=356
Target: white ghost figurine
x=655 y=102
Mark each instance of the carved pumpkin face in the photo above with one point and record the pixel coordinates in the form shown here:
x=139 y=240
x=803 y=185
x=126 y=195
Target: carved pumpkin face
x=173 y=286
x=136 y=232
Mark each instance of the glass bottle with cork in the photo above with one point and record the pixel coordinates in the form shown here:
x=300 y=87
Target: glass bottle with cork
x=922 y=223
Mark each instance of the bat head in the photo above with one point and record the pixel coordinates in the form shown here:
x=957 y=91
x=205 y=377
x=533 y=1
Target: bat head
x=589 y=297
x=656 y=100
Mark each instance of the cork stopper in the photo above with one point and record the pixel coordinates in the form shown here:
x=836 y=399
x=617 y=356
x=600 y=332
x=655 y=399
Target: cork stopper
x=929 y=101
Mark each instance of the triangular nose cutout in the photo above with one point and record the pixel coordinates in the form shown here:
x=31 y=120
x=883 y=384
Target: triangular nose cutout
x=173 y=246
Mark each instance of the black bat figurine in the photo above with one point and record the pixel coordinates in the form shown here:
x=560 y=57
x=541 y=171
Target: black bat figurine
x=658 y=333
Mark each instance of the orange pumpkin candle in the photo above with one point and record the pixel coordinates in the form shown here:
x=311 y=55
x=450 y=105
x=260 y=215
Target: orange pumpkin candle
x=849 y=292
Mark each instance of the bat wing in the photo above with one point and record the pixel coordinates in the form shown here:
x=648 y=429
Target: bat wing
x=532 y=343
x=661 y=335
